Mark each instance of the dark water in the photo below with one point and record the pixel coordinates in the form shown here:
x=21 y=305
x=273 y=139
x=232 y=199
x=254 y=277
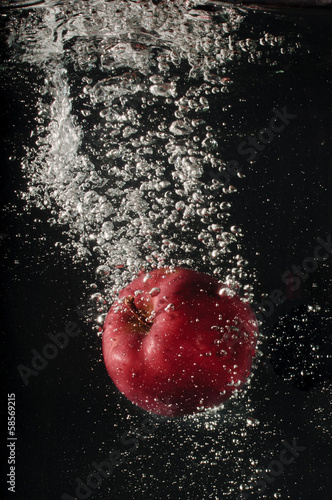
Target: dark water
x=120 y=124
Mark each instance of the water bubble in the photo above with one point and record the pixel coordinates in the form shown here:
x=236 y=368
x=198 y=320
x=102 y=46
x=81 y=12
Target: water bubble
x=204 y=103
x=210 y=143
x=216 y=227
x=96 y=297
x=180 y=205
x=225 y=291
x=103 y=270
x=225 y=205
x=188 y=212
x=236 y=229
x=228 y=237
x=107 y=230
x=128 y=131
x=154 y=292
x=180 y=127
x=164 y=90
x=101 y=318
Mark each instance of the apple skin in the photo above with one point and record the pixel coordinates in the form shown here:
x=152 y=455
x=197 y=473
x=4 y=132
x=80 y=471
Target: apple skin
x=184 y=349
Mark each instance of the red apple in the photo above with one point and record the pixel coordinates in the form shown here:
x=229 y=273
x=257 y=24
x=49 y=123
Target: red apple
x=177 y=341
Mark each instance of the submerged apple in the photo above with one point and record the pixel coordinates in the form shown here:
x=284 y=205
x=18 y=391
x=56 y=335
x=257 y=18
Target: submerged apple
x=177 y=341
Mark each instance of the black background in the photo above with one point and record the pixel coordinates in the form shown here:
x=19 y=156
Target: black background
x=70 y=414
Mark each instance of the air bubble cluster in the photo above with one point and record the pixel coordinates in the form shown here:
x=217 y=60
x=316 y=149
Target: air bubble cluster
x=126 y=157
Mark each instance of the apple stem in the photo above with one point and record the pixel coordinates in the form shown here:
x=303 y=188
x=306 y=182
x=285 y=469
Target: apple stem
x=129 y=301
